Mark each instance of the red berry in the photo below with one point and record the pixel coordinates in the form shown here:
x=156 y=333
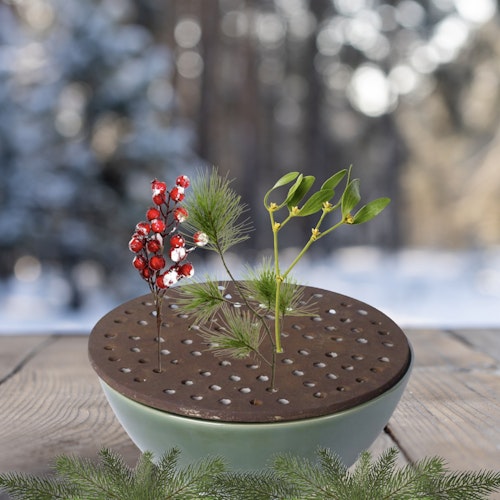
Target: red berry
x=177 y=254
x=158 y=226
x=182 y=181
x=153 y=213
x=135 y=245
x=143 y=228
x=159 y=198
x=140 y=263
x=186 y=270
x=200 y=239
x=146 y=273
x=157 y=262
x=160 y=282
x=180 y=214
x=177 y=193
x=158 y=186
x=177 y=241
x=154 y=246
x=170 y=278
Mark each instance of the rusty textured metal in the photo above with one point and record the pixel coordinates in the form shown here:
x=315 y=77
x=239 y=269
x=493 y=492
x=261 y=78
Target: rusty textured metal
x=346 y=355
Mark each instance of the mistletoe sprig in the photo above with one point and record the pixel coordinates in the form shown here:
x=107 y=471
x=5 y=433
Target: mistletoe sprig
x=320 y=203
x=289 y=477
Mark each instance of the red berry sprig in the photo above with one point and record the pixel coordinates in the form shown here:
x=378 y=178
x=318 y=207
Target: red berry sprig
x=147 y=242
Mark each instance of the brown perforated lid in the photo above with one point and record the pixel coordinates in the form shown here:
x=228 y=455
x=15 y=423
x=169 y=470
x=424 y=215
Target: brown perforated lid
x=346 y=355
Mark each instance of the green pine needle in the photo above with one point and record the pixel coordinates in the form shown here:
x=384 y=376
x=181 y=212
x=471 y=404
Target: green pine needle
x=216 y=209
x=238 y=336
x=288 y=478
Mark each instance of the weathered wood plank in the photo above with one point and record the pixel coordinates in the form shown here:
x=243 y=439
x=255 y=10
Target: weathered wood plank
x=54 y=405
x=452 y=405
x=487 y=341
x=14 y=350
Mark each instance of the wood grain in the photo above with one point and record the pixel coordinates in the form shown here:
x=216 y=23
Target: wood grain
x=53 y=406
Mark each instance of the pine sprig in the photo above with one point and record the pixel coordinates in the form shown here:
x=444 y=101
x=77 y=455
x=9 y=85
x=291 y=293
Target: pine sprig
x=288 y=478
x=216 y=209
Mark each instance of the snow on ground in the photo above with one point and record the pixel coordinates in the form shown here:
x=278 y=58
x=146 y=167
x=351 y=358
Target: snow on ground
x=416 y=288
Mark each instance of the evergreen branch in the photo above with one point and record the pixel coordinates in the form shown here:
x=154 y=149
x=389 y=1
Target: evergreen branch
x=216 y=209
x=289 y=478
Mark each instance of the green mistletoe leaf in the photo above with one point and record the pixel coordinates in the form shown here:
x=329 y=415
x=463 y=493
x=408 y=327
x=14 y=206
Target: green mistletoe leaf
x=315 y=202
x=299 y=190
x=370 y=210
x=350 y=198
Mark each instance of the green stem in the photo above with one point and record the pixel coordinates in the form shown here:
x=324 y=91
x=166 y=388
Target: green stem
x=279 y=279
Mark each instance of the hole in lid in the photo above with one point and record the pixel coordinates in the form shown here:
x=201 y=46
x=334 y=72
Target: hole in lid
x=225 y=362
x=262 y=378
x=332 y=311
x=332 y=376
x=187 y=341
x=309 y=383
x=135 y=349
x=128 y=311
x=228 y=296
x=337 y=339
x=285 y=335
x=296 y=327
x=183 y=316
x=142 y=322
x=317 y=318
x=235 y=378
x=205 y=373
x=317 y=295
x=256 y=402
x=374 y=370
x=388 y=344
x=110 y=335
x=357 y=357
x=331 y=354
x=139 y=379
x=341 y=388
x=253 y=366
x=362 y=340
x=174 y=362
x=215 y=387
x=346 y=320
x=245 y=390
x=308 y=337
x=320 y=395
x=356 y=330
x=283 y=401
x=165 y=352
x=187 y=382
x=153 y=313
x=143 y=361
x=345 y=304
x=134 y=337
x=287 y=361
x=169 y=391
x=196 y=397
x=304 y=352
x=374 y=322
x=125 y=370
x=384 y=359
x=319 y=364
x=147 y=303
x=348 y=368
x=330 y=328
x=225 y=401
x=159 y=340
x=113 y=358
x=298 y=373
x=383 y=332
x=118 y=321
x=173 y=306
x=108 y=348
x=361 y=380
x=237 y=305
x=362 y=312
x=195 y=353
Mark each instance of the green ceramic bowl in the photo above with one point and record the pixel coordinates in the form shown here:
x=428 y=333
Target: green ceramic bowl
x=251 y=446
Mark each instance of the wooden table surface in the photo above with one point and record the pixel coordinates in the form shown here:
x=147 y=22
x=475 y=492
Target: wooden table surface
x=51 y=402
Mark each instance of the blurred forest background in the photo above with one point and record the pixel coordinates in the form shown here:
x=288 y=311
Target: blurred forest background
x=99 y=97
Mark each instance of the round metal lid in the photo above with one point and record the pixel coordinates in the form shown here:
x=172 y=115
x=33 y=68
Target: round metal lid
x=346 y=355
